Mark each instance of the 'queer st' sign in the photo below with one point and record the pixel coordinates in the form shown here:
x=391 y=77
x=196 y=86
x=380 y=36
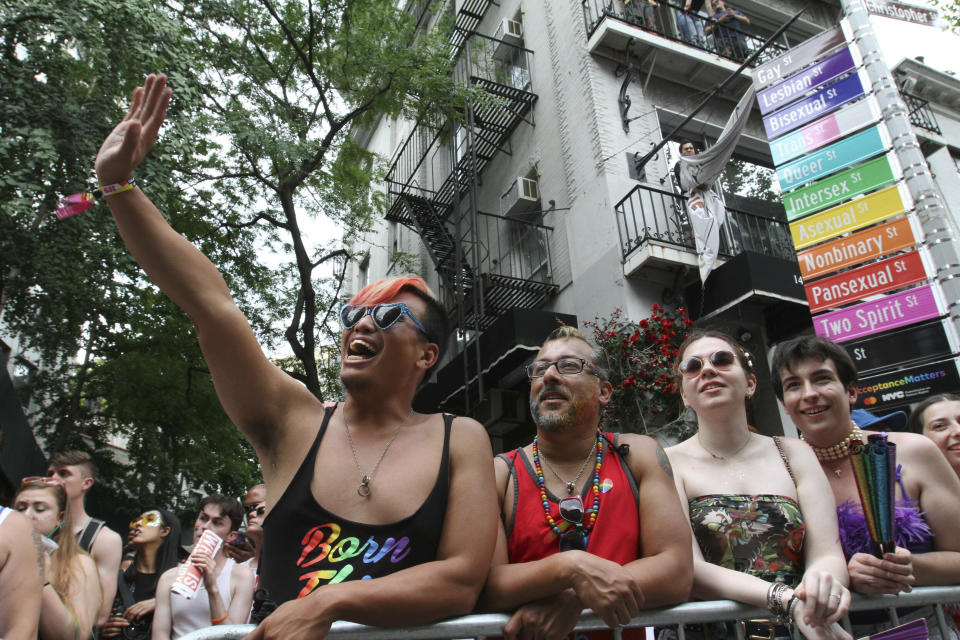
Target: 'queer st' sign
x=834 y=126
x=802 y=82
x=886 y=275
x=889 y=312
x=841 y=186
x=837 y=156
x=812 y=107
x=855 y=248
x=850 y=216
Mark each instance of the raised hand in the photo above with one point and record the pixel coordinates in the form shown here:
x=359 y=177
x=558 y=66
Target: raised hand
x=132 y=139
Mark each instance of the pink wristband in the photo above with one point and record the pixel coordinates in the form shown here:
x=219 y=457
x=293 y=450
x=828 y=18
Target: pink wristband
x=120 y=187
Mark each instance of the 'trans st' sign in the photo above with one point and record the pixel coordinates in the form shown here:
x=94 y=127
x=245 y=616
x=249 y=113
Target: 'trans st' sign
x=827 y=129
x=889 y=312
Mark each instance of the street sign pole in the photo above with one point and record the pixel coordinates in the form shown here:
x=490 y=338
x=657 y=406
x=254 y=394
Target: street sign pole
x=938 y=226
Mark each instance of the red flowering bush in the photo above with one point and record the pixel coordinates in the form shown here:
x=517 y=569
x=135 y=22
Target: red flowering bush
x=646 y=390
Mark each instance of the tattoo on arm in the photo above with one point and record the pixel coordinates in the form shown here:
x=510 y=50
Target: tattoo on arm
x=664 y=461
x=38 y=545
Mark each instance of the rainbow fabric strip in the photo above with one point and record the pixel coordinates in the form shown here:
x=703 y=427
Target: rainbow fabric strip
x=875 y=469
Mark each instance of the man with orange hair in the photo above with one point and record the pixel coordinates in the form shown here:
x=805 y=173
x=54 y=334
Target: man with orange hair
x=362 y=489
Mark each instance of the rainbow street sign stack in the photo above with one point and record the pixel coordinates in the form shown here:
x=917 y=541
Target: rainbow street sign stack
x=869 y=279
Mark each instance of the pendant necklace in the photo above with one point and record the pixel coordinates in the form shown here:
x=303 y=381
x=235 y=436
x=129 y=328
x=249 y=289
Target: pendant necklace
x=840 y=450
x=731 y=455
x=571 y=485
x=366 y=478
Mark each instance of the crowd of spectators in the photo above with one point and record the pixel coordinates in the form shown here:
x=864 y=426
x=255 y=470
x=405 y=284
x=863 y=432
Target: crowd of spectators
x=373 y=513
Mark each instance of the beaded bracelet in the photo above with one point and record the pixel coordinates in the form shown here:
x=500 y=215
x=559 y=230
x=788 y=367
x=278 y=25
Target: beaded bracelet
x=77 y=202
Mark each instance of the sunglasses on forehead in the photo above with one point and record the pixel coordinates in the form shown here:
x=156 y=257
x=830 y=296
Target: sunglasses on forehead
x=50 y=481
x=693 y=365
x=384 y=315
x=574 y=538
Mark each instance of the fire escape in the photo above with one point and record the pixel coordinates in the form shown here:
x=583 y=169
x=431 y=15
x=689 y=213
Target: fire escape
x=434 y=181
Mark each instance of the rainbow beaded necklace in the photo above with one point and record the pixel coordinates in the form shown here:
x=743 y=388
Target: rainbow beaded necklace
x=588 y=526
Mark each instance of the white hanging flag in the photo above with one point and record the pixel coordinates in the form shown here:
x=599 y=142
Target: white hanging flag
x=698 y=173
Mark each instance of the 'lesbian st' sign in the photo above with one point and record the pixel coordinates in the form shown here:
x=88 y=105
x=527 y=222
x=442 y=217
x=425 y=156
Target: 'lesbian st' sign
x=812 y=107
x=889 y=312
x=830 y=68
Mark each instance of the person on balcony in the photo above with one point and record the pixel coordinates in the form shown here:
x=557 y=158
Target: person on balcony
x=727 y=28
x=816 y=380
x=760 y=508
x=690 y=22
x=363 y=489
x=588 y=519
x=643 y=12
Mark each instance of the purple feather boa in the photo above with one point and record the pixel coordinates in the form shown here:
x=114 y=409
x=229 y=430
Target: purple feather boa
x=913 y=532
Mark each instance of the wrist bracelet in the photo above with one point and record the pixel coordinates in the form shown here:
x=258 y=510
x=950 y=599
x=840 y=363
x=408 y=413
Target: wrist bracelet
x=119 y=187
x=77 y=202
x=219 y=620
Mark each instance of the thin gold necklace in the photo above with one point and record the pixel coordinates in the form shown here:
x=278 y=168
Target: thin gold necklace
x=731 y=455
x=366 y=478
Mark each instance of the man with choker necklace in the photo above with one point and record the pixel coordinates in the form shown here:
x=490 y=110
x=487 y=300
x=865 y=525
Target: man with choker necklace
x=588 y=519
x=363 y=489
x=816 y=380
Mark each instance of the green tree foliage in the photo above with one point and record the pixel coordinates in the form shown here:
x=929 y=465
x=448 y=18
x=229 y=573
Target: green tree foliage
x=70 y=287
x=287 y=84
x=950 y=13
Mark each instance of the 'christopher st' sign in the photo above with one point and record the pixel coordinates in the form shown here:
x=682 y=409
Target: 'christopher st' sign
x=889 y=312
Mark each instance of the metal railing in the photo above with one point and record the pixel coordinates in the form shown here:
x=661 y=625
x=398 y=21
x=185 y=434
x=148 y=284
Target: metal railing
x=921 y=115
x=647 y=214
x=514 y=247
x=669 y=21
x=491 y=624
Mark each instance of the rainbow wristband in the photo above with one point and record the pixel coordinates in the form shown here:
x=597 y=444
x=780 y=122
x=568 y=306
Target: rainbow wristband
x=119 y=187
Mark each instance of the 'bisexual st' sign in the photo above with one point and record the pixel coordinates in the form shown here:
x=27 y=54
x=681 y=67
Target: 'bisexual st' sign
x=834 y=126
x=879 y=277
x=812 y=107
x=834 y=189
x=855 y=248
x=850 y=216
x=889 y=312
x=838 y=155
x=829 y=69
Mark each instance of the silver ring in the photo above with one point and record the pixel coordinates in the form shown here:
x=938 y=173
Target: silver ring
x=834 y=595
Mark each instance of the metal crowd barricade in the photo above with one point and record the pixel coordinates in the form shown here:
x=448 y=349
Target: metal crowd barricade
x=491 y=624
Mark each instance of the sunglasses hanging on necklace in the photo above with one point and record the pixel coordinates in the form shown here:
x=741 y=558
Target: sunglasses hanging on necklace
x=571 y=507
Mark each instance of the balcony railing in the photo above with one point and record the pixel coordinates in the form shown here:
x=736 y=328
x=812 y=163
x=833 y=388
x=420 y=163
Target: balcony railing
x=921 y=115
x=653 y=215
x=688 y=28
x=491 y=624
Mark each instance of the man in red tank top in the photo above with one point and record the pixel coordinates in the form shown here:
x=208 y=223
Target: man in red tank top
x=588 y=520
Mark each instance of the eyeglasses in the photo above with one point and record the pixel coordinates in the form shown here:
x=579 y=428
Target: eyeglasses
x=574 y=538
x=50 y=481
x=722 y=359
x=565 y=366
x=258 y=510
x=149 y=519
x=384 y=315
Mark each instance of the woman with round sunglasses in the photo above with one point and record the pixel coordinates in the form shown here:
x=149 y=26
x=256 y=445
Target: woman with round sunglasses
x=765 y=531
x=71 y=591
x=155 y=537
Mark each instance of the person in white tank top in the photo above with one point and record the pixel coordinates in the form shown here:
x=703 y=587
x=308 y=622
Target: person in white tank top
x=227 y=590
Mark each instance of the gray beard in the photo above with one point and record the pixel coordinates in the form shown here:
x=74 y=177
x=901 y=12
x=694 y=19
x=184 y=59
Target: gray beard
x=553 y=422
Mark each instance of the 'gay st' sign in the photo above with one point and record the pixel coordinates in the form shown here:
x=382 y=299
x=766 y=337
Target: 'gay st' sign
x=850 y=216
x=889 y=312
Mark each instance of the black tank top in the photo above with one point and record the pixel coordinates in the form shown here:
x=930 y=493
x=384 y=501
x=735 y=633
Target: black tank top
x=305 y=546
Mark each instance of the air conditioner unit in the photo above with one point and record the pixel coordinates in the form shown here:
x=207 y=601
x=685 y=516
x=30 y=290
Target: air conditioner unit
x=510 y=31
x=523 y=196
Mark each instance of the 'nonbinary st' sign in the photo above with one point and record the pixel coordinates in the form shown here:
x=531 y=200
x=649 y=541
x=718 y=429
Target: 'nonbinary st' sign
x=855 y=248
x=889 y=312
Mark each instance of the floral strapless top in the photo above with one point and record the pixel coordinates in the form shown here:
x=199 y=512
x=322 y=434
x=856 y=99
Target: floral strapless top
x=761 y=535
